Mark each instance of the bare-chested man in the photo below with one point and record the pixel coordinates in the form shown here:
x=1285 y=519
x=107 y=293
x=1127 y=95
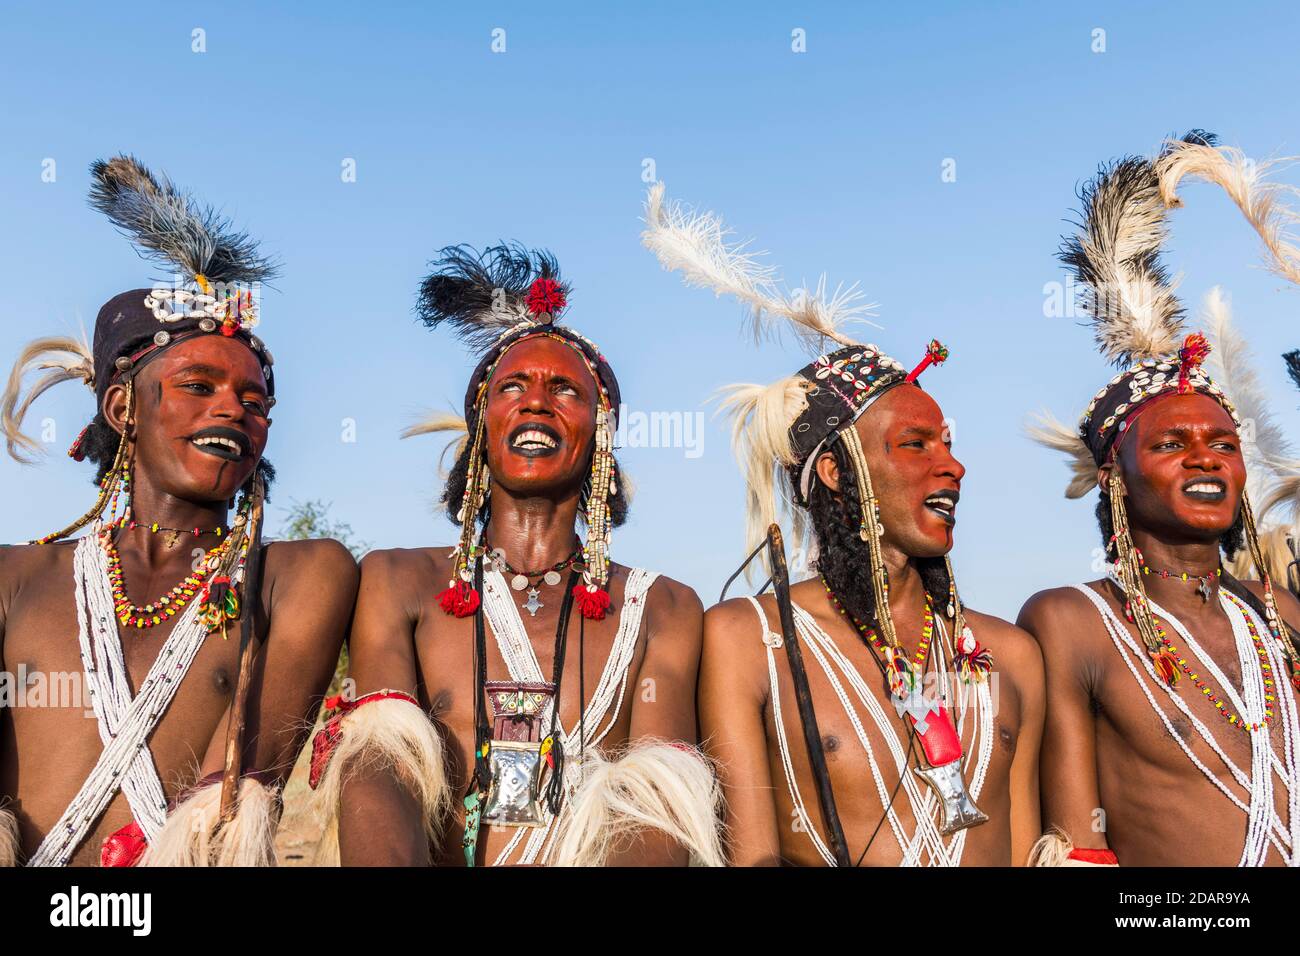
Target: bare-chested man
x=484 y=639
x=864 y=455
x=183 y=394
x=1171 y=705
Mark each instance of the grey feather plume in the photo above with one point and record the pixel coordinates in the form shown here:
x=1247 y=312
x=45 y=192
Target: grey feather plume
x=169 y=226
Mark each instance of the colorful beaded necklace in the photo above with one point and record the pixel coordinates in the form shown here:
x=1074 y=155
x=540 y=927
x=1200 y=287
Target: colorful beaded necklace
x=171 y=603
x=902 y=673
x=1168 y=656
x=1203 y=580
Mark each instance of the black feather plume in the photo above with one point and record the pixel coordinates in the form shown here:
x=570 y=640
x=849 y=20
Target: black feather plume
x=169 y=226
x=480 y=294
x=1292 y=360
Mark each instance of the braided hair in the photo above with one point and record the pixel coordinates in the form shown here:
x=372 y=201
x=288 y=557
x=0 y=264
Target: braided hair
x=843 y=557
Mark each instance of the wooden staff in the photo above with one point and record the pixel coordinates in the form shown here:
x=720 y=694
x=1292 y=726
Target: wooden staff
x=803 y=696
x=247 y=628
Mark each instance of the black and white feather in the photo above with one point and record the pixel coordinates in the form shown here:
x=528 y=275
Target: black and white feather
x=169 y=226
x=1115 y=255
x=483 y=294
x=1292 y=360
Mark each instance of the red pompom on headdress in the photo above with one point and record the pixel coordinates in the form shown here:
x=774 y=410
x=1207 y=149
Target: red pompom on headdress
x=935 y=354
x=1194 y=351
x=459 y=600
x=593 y=602
x=545 y=298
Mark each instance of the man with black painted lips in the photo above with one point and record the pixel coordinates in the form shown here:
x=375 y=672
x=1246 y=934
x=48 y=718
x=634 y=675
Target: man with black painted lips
x=183 y=392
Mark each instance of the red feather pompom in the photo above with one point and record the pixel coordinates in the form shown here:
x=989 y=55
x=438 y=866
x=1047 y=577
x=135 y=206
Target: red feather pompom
x=546 y=297
x=593 y=603
x=1196 y=348
x=459 y=600
x=1167 y=667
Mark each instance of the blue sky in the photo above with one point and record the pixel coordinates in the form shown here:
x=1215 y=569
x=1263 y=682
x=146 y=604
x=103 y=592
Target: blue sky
x=831 y=159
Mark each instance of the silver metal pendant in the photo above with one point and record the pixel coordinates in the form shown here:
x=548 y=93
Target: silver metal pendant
x=959 y=811
x=1203 y=589
x=519 y=582
x=514 y=796
x=533 y=605
x=552 y=578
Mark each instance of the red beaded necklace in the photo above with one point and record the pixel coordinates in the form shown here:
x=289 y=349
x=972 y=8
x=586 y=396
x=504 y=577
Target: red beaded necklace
x=167 y=606
x=1168 y=657
x=902 y=672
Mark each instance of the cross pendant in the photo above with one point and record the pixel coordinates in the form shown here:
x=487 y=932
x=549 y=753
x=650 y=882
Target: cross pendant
x=533 y=605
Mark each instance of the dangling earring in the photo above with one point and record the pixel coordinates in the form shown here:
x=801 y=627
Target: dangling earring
x=870 y=530
x=461 y=598
x=1275 y=623
x=116 y=481
x=591 y=594
x=1128 y=568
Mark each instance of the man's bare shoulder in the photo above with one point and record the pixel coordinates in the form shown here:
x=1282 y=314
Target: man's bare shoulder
x=22 y=563
x=399 y=567
x=326 y=561
x=674 y=599
x=1065 y=621
x=1009 y=643
x=733 y=625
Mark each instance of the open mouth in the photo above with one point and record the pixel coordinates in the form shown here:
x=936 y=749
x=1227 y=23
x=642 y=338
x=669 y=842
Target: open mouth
x=535 y=440
x=1206 y=489
x=944 y=504
x=225 y=443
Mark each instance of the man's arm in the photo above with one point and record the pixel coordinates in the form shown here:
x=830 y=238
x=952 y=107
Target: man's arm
x=663 y=699
x=1068 y=763
x=312 y=587
x=380 y=821
x=1017 y=658
x=733 y=693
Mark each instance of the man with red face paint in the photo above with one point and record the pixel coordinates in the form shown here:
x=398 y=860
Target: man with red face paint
x=909 y=734
x=522 y=699
x=1171 y=706
x=148 y=705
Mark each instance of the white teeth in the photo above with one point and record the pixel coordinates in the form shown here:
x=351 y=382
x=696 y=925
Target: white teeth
x=1205 y=486
x=223 y=442
x=940 y=504
x=534 y=438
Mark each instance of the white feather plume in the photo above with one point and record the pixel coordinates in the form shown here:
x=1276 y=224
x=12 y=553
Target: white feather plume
x=695 y=244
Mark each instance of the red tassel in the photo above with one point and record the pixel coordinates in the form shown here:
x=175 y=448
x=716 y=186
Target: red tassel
x=124 y=847
x=1295 y=675
x=593 y=603
x=1194 y=351
x=459 y=600
x=1100 y=857
x=1166 y=667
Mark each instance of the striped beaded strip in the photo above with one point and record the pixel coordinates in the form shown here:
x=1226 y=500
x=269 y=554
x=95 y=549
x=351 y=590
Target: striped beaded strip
x=1208 y=691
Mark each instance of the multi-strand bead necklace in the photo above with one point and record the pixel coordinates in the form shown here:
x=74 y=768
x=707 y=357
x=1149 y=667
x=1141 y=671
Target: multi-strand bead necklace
x=902 y=673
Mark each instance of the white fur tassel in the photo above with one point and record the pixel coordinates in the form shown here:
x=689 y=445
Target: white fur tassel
x=1046 y=430
x=654 y=786
x=65 y=359
x=392 y=736
x=191 y=836
x=761 y=416
x=9 y=843
x=1053 y=849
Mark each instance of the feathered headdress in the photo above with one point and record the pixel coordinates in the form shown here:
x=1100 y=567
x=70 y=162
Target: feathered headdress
x=494 y=300
x=1137 y=321
x=218 y=269
x=779 y=430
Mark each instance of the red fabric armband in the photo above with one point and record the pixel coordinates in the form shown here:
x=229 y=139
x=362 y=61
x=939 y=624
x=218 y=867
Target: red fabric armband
x=1099 y=857
x=328 y=737
x=123 y=847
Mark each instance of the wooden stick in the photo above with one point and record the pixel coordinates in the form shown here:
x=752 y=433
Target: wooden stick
x=803 y=696
x=247 y=628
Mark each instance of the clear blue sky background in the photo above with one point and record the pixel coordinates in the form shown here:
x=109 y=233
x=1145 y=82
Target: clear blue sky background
x=831 y=159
